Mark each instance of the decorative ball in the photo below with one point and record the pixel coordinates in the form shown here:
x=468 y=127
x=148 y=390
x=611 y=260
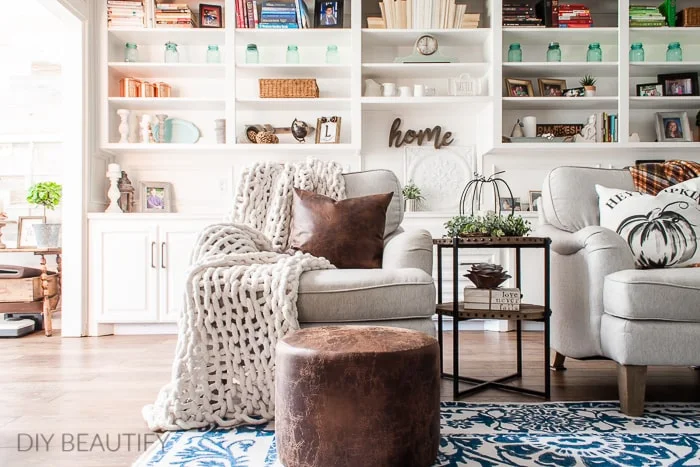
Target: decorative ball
x=300 y=130
x=265 y=137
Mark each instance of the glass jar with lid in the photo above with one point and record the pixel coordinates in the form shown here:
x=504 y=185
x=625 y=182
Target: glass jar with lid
x=674 y=52
x=131 y=52
x=292 y=54
x=515 y=53
x=171 y=53
x=554 y=52
x=213 y=54
x=332 y=55
x=637 y=52
x=251 y=54
x=594 y=54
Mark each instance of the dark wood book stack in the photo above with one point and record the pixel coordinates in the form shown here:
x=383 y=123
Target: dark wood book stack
x=520 y=14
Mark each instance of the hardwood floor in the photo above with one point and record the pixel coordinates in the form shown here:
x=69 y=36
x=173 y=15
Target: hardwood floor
x=97 y=386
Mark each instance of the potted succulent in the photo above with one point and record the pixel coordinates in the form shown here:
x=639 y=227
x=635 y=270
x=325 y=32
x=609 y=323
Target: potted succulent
x=47 y=195
x=491 y=225
x=588 y=83
x=413 y=196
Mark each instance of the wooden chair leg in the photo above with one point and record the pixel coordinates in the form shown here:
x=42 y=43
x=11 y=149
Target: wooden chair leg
x=631 y=384
x=558 y=364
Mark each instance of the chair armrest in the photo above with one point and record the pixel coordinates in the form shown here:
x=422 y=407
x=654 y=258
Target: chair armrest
x=592 y=239
x=412 y=249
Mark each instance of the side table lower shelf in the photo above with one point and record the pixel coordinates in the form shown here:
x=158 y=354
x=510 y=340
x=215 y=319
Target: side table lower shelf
x=526 y=313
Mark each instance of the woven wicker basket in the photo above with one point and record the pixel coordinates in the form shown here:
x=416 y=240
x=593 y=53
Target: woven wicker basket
x=288 y=88
x=689 y=17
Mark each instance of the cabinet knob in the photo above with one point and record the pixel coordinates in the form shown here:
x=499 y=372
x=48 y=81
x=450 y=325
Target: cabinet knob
x=162 y=255
x=153 y=255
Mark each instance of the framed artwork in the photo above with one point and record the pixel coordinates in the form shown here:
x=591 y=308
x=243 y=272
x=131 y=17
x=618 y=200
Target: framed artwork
x=328 y=130
x=650 y=90
x=25 y=232
x=211 y=16
x=673 y=126
x=551 y=87
x=519 y=87
x=679 y=84
x=328 y=14
x=534 y=196
x=574 y=92
x=155 y=197
x=507 y=204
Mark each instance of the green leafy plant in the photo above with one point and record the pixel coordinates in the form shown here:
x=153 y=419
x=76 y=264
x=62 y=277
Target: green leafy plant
x=411 y=191
x=587 y=80
x=490 y=225
x=45 y=194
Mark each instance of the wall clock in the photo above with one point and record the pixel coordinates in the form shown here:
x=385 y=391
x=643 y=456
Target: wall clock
x=425 y=50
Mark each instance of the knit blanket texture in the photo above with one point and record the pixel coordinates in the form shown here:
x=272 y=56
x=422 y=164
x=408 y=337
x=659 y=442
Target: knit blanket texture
x=240 y=299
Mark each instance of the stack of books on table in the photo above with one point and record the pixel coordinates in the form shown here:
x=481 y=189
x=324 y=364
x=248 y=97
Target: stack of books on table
x=174 y=15
x=500 y=299
x=574 y=15
x=520 y=14
x=642 y=16
x=125 y=14
x=274 y=14
x=423 y=14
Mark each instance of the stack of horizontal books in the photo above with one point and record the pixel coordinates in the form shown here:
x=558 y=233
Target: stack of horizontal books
x=275 y=14
x=520 y=14
x=501 y=299
x=642 y=16
x=174 y=15
x=125 y=14
x=575 y=15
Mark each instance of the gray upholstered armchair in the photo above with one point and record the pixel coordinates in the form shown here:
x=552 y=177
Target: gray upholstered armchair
x=401 y=294
x=601 y=305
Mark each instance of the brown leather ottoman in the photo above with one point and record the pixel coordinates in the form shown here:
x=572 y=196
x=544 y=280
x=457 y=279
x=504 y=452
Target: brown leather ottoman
x=357 y=396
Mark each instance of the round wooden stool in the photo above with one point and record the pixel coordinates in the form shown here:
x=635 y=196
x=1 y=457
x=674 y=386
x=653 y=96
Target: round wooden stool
x=357 y=396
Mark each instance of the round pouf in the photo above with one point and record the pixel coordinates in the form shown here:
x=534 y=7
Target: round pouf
x=357 y=396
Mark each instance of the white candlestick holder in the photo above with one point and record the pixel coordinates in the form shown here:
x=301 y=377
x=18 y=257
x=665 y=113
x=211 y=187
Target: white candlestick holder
x=113 y=174
x=124 y=125
x=145 y=128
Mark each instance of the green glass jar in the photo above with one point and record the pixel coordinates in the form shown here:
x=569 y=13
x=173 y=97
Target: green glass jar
x=171 y=53
x=594 y=54
x=515 y=53
x=554 y=52
x=674 y=52
x=131 y=52
x=332 y=55
x=251 y=54
x=637 y=52
x=292 y=55
x=213 y=54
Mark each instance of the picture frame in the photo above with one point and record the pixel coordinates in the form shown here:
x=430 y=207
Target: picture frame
x=679 y=84
x=534 y=196
x=328 y=14
x=506 y=204
x=155 y=197
x=673 y=127
x=519 y=88
x=25 y=232
x=574 y=92
x=211 y=16
x=551 y=87
x=650 y=90
x=328 y=130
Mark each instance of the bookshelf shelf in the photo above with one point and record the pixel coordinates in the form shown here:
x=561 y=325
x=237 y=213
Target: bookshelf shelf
x=322 y=103
x=168 y=70
x=552 y=69
x=283 y=71
x=204 y=149
x=681 y=102
x=573 y=36
x=657 y=68
x=300 y=37
x=422 y=70
x=391 y=103
x=166 y=103
x=404 y=37
x=159 y=36
x=664 y=35
x=561 y=103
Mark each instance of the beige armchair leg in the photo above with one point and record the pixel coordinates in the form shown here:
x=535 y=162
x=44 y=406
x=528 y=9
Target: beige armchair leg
x=558 y=364
x=631 y=384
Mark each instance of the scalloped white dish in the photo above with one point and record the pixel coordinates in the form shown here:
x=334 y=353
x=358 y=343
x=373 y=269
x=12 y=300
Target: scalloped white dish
x=178 y=131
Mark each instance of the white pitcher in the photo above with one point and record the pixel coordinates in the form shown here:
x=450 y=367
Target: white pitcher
x=372 y=88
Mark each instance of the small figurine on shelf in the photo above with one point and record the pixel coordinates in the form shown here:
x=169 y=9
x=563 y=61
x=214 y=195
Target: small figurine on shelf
x=123 y=125
x=588 y=132
x=145 y=128
x=127 y=200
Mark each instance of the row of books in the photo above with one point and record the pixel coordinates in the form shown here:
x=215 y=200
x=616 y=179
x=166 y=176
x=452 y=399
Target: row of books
x=274 y=14
x=149 y=14
x=575 y=15
x=606 y=132
x=521 y=14
x=125 y=14
x=174 y=15
x=642 y=16
x=423 y=14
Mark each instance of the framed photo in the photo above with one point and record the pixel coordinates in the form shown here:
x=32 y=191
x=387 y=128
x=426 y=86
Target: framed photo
x=328 y=130
x=534 y=196
x=328 y=14
x=650 y=90
x=574 y=92
x=519 y=87
x=211 y=16
x=673 y=126
x=507 y=204
x=155 y=197
x=25 y=232
x=679 y=84
x=551 y=87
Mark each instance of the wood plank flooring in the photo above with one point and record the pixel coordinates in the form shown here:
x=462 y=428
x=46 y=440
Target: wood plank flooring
x=98 y=386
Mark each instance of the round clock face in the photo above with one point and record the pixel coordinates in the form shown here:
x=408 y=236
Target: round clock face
x=427 y=45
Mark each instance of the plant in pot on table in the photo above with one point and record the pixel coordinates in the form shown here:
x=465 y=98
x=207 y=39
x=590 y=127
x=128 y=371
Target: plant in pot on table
x=588 y=83
x=47 y=195
x=413 y=196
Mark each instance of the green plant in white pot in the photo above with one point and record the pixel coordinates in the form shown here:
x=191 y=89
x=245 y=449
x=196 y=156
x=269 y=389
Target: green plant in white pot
x=47 y=195
x=412 y=195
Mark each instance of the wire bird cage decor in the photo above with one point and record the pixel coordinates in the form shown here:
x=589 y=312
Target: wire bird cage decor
x=473 y=194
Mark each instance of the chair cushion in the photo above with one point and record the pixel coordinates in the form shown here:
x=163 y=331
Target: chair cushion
x=349 y=295
x=654 y=294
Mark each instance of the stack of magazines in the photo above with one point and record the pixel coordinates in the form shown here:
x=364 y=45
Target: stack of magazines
x=174 y=15
x=125 y=14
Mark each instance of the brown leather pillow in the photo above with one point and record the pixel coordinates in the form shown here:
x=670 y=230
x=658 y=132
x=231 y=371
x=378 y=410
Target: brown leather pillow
x=348 y=233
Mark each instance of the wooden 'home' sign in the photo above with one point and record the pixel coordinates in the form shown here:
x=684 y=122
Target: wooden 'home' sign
x=398 y=139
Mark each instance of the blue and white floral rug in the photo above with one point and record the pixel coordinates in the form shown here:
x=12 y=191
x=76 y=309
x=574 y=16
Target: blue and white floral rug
x=552 y=434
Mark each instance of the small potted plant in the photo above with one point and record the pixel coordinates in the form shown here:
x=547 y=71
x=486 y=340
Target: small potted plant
x=47 y=195
x=588 y=83
x=413 y=196
x=490 y=225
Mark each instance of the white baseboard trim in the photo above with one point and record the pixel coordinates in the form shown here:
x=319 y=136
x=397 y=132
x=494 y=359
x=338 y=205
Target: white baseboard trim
x=144 y=329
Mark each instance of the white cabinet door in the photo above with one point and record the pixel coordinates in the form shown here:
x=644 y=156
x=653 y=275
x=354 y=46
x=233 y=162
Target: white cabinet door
x=124 y=268
x=176 y=241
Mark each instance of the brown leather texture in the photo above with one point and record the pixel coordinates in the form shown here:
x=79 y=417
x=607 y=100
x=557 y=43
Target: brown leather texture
x=348 y=233
x=357 y=396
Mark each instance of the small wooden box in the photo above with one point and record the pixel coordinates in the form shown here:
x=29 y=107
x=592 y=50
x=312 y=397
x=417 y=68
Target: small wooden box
x=689 y=17
x=26 y=289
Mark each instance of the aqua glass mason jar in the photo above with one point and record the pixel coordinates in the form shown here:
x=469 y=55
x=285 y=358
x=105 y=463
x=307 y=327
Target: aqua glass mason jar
x=554 y=52
x=131 y=52
x=594 y=54
x=674 y=52
x=292 y=55
x=637 y=52
x=332 y=55
x=171 y=53
x=251 y=54
x=213 y=54
x=515 y=53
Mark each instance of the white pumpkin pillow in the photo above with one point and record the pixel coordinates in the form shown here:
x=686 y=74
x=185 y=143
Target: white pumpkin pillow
x=663 y=231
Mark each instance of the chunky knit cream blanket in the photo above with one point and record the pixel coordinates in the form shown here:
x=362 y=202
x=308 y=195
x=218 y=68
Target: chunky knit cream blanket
x=241 y=296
